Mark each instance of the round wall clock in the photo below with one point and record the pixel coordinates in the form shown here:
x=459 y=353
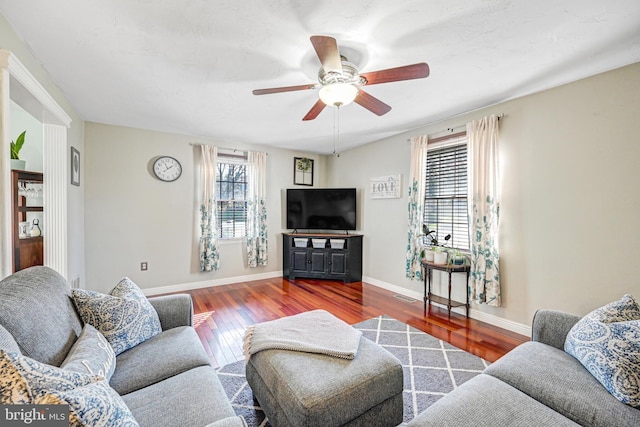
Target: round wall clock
x=167 y=169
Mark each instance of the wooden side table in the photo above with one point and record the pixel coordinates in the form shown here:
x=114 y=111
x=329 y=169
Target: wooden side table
x=429 y=266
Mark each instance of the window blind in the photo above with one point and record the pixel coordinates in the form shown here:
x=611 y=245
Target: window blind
x=231 y=198
x=446 y=194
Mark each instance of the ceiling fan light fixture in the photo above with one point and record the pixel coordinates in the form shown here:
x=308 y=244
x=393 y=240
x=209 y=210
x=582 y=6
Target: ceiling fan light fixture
x=338 y=94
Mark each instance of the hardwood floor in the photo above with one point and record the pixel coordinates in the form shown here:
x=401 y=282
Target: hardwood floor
x=223 y=312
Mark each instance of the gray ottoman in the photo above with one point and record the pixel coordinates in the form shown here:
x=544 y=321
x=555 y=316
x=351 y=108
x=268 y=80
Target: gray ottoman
x=302 y=389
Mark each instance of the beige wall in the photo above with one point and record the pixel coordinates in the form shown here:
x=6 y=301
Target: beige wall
x=75 y=137
x=133 y=217
x=570 y=235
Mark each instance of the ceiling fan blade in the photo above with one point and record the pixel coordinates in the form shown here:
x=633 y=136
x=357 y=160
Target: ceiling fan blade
x=408 y=72
x=327 y=51
x=284 y=89
x=372 y=103
x=315 y=110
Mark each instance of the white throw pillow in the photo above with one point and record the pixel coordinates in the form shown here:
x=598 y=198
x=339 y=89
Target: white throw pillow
x=91 y=354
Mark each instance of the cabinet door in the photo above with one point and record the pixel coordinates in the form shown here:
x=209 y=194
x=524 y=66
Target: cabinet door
x=299 y=261
x=318 y=261
x=338 y=263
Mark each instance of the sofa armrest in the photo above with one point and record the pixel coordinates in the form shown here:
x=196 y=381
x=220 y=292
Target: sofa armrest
x=173 y=310
x=551 y=327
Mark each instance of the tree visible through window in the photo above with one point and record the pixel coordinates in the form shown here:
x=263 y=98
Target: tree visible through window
x=231 y=197
x=445 y=204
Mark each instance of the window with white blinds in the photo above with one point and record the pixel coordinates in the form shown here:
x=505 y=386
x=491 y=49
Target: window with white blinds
x=231 y=196
x=446 y=194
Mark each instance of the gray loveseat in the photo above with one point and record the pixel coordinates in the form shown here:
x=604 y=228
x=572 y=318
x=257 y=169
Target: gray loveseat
x=165 y=381
x=535 y=384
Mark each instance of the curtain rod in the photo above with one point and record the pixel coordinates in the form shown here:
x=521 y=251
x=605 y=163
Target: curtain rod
x=500 y=116
x=235 y=150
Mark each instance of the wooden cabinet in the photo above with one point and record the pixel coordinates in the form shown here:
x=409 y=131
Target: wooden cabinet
x=325 y=262
x=26 y=205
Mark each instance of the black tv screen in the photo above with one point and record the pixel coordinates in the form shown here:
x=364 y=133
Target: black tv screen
x=321 y=208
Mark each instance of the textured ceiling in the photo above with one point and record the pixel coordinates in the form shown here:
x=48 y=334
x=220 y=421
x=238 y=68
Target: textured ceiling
x=189 y=66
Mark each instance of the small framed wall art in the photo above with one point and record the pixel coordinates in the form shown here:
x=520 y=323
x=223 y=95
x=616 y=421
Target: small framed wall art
x=302 y=171
x=385 y=187
x=75 y=167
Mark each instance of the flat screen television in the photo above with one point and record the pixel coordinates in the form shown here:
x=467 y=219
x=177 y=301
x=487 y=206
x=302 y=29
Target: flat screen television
x=321 y=208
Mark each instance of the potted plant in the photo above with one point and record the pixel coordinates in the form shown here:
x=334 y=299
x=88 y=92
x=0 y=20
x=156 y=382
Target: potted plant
x=439 y=256
x=457 y=258
x=16 y=146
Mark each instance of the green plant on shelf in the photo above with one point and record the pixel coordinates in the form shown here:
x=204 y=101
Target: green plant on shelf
x=17 y=146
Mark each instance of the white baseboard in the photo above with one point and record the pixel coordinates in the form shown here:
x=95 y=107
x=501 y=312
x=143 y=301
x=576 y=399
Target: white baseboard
x=509 y=325
x=209 y=283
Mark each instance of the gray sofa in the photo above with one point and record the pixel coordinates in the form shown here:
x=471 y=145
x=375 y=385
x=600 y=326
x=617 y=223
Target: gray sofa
x=535 y=384
x=165 y=381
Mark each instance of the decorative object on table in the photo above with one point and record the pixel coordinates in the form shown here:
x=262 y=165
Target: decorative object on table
x=457 y=258
x=385 y=187
x=440 y=256
x=436 y=368
x=167 y=169
x=23 y=229
x=35 y=228
x=302 y=171
x=75 y=167
x=16 y=146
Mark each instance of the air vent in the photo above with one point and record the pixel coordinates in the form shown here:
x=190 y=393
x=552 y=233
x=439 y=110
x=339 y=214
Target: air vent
x=405 y=298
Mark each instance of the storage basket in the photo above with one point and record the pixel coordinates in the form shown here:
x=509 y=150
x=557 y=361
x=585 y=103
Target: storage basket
x=300 y=242
x=319 y=243
x=337 y=243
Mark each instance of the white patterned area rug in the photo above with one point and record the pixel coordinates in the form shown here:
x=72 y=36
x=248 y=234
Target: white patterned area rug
x=432 y=368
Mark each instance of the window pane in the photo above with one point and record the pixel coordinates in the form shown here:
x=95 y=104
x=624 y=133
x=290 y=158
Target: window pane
x=446 y=195
x=231 y=193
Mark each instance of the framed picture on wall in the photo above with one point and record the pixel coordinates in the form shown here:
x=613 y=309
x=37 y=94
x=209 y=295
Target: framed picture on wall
x=302 y=171
x=75 y=167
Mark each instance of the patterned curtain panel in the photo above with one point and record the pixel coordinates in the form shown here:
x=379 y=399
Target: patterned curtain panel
x=484 y=210
x=257 y=209
x=209 y=255
x=416 y=193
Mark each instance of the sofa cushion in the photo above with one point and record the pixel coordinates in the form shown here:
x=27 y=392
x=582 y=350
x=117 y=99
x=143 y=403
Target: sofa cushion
x=141 y=366
x=559 y=381
x=125 y=317
x=193 y=398
x=485 y=401
x=91 y=354
x=36 y=310
x=607 y=343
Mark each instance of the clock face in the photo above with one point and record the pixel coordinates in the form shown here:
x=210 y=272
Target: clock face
x=167 y=168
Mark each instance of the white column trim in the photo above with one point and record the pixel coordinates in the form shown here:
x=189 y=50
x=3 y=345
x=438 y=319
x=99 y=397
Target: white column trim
x=55 y=123
x=55 y=167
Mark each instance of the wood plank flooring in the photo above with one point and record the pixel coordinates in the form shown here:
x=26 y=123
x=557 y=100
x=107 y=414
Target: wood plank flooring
x=223 y=312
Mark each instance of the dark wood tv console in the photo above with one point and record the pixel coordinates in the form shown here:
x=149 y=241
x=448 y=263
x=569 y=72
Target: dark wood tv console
x=325 y=261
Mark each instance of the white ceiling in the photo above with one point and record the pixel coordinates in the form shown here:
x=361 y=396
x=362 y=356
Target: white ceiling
x=189 y=67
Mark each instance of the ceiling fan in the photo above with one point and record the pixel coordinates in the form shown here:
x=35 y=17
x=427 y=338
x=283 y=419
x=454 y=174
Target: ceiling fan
x=340 y=82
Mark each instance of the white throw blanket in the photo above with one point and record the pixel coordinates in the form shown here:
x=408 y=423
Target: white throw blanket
x=315 y=331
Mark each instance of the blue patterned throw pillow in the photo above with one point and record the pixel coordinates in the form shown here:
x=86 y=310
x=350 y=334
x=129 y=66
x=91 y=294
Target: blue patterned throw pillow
x=95 y=404
x=125 y=317
x=607 y=343
x=23 y=379
x=91 y=401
